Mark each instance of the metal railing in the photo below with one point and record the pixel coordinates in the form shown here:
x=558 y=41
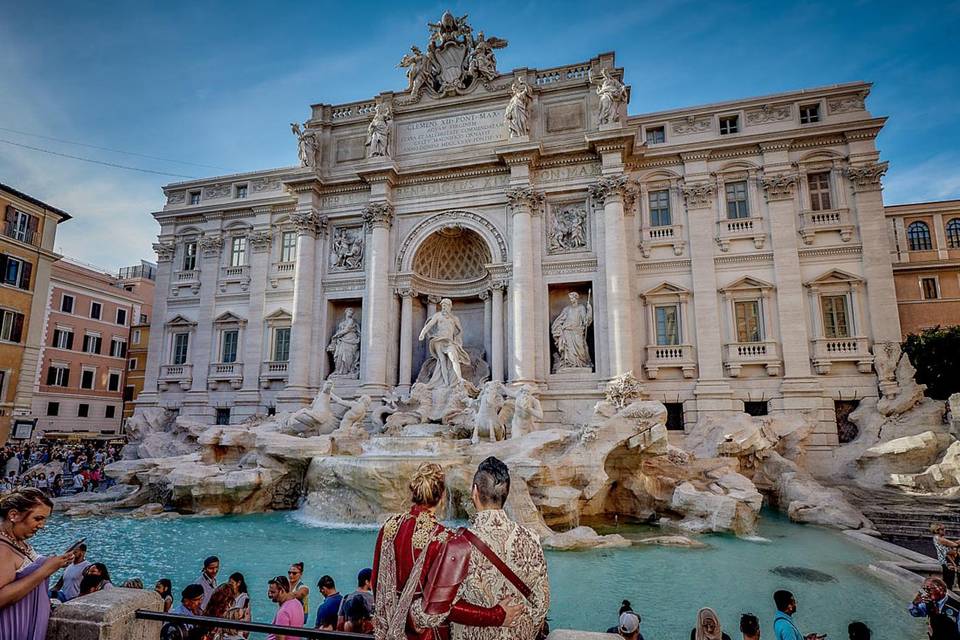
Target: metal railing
x=256 y=627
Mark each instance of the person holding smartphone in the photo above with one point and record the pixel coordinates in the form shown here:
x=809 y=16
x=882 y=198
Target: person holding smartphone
x=941 y=609
x=68 y=587
x=784 y=627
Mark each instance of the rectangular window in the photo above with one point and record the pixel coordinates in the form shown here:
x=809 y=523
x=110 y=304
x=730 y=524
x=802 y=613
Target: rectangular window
x=91 y=343
x=668 y=324
x=180 y=343
x=58 y=376
x=281 y=344
x=11 y=326
x=228 y=351
x=132 y=364
x=729 y=124
x=53 y=408
x=835 y=317
x=660 y=208
x=656 y=135
x=135 y=336
x=737 y=200
x=11 y=274
x=109 y=411
x=223 y=416
x=95 y=309
x=241 y=191
x=15 y=272
x=63 y=339
x=122 y=317
x=809 y=113
x=238 y=252
x=288 y=246
x=189 y=256
x=819 y=185
x=113 y=381
x=748 y=321
x=66 y=304
x=21 y=227
x=128 y=392
x=83 y=410
x=118 y=348
x=928 y=286
x=194 y=197
x=87 y=377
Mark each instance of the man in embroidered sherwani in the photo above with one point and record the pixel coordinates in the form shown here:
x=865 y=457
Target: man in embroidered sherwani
x=485 y=585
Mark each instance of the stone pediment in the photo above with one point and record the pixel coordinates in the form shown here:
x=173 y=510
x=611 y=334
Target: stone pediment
x=666 y=290
x=279 y=315
x=835 y=276
x=746 y=283
x=181 y=321
x=228 y=317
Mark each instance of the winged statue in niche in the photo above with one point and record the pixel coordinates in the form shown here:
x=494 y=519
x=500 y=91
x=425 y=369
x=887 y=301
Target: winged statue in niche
x=455 y=60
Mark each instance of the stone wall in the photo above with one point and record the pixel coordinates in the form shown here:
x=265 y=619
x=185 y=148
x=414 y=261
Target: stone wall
x=106 y=615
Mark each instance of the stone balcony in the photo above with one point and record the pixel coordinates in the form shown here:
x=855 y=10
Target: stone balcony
x=741 y=228
x=189 y=279
x=672 y=356
x=231 y=372
x=273 y=372
x=826 y=351
x=239 y=275
x=669 y=236
x=179 y=374
x=281 y=271
x=736 y=355
x=813 y=222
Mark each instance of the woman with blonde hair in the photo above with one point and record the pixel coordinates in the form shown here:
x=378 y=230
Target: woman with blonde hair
x=708 y=626
x=24 y=603
x=408 y=546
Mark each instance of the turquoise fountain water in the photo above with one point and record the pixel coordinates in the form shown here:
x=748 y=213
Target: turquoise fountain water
x=665 y=585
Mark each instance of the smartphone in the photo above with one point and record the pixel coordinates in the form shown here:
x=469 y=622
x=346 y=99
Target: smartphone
x=74 y=546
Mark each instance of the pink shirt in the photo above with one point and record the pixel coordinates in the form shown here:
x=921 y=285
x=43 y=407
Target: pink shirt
x=289 y=615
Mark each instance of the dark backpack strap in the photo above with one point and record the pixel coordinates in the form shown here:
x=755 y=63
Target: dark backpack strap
x=501 y=566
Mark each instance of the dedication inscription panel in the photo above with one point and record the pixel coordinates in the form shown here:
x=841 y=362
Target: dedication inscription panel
x=450 y=132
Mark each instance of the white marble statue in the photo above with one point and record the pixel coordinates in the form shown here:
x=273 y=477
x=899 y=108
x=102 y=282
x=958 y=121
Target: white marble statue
x=345 y=347
x=612 y=95
x=488 y=405
x=378 y=133
x=526 y=412
x=569 y=229
x=357 y=410
x=483 y=62
x=347 y=249
x=318 y=418
x=516 y=115
x=569 y=331
x=446 y=345
x=307 y=145
x=418 y=69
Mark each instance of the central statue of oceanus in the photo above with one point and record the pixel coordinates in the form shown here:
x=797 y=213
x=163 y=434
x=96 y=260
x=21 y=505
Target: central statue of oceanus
x=446 y=345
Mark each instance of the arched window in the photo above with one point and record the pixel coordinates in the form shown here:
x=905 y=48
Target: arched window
x=918 y=234
x=953 y=233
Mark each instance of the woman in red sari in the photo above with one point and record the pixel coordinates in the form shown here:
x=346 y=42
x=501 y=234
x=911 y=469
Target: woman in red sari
x=407 y=548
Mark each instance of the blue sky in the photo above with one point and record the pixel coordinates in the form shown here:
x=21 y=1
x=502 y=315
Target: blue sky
x=217 y=83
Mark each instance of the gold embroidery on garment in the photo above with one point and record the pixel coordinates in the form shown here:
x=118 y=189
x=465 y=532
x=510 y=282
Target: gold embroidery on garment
x=391 y=526
x=425 y=525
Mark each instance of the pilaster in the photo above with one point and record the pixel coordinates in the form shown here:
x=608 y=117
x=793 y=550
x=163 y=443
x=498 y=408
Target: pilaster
x=165 y=250
x=256 y=340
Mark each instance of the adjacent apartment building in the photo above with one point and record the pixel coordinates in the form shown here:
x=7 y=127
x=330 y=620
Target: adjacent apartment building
x=27 y=236
x=925 y=251
x=137 y=279
x=83 y=366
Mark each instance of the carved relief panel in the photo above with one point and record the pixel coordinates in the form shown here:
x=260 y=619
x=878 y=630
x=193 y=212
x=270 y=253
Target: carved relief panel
x=346 y=249
x=567 y=228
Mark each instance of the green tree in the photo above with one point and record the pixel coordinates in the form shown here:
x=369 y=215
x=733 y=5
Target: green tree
x=936 y=355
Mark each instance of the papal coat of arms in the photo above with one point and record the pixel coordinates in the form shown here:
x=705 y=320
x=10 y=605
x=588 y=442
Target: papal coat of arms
x=455 y=61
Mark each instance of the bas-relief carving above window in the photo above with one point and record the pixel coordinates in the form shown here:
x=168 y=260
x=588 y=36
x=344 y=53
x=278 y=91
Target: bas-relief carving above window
x=176 y=197
x=691 y=125
x=843 y=104
x=568 y=229
x=264 y=184
x=217 y=191
x=346 y=249
x=769 y=113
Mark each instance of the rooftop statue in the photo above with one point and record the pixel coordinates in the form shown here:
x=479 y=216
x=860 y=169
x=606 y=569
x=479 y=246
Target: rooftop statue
x=378 y=133
x=612 y=95
x=308 y=146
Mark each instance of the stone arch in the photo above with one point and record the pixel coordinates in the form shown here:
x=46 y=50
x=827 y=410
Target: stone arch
x=816 y=155
x=486 y=230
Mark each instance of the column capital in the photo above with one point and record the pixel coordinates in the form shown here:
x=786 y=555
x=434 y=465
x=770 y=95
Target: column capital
x=407 y=292
x=698 y=195
x=164 y=251
x=498 y=285
x=779 y=186
x=866 y=177
x=612 y=187
x=432 y=299
x=378 y=215
x=525 y=199
x=211 y=245
x=484 y=295
x=308 y=222
x=260 y=241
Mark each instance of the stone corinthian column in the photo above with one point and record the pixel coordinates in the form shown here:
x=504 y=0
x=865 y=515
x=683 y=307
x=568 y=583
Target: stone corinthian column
x=496 y=331
x=524 y=203
x=406 y=337
x=615 y=193
x=378 y=217
x=165 y=254
x=308 y=224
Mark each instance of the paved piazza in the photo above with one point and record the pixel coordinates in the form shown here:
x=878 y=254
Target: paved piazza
x=724 y=253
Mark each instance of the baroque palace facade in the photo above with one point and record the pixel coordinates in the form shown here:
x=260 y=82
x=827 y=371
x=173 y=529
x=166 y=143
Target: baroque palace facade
x=731 y=255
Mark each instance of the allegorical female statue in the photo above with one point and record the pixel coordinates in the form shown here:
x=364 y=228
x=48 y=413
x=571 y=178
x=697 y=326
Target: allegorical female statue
x=307 y=145
x=345 y=347
x=378 y=133
x=517 y=111
x=612 y=94
x=569 y=331
x=446 y=345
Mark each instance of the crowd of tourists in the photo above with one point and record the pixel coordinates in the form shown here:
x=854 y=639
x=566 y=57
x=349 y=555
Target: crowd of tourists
x=56 y=469
x=427 y=582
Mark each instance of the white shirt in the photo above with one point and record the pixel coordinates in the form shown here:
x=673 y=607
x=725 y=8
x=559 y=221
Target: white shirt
x=72 y=576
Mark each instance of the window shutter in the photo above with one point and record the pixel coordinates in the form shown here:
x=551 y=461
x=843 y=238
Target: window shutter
x=123 y=349
x=3 y=266
x=86 y=343
x=70 y=340
x=97 y=342
x=51 y=375
x=25 y=273
x=66 y=377
x=16 y=331
x=33 y=223
x=11 y=215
